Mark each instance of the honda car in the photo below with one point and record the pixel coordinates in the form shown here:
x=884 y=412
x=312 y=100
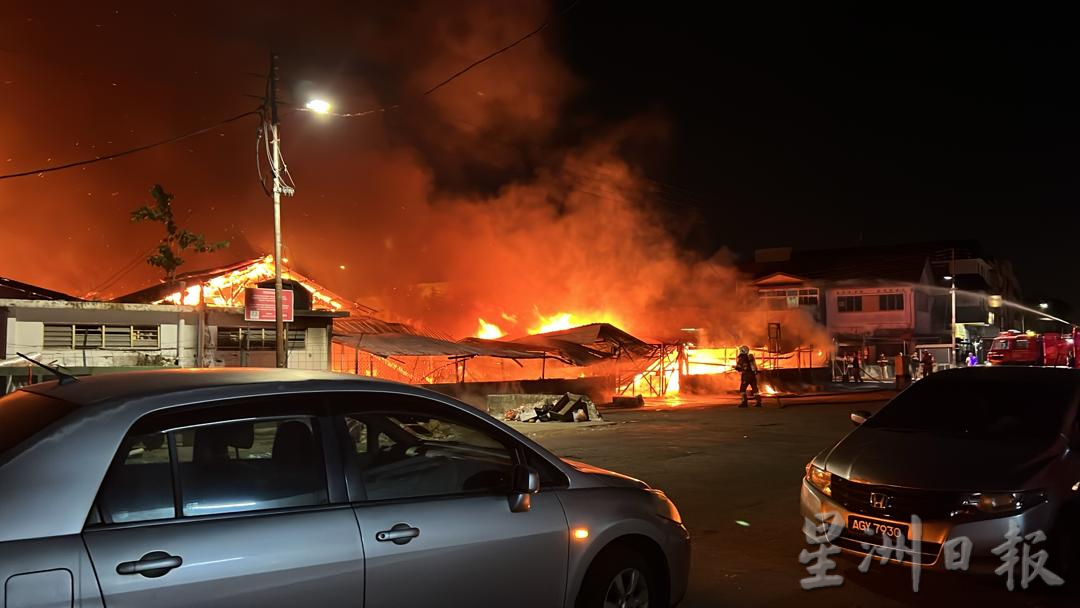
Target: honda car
x=962 y=454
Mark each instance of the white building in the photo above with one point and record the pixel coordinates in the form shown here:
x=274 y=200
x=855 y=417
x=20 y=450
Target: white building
x=167 y=326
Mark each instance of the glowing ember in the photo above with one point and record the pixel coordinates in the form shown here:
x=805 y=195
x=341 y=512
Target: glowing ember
x=767 y=389
x=489 y=331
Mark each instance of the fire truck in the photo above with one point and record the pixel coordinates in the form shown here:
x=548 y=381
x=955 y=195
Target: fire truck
x=1028 y=348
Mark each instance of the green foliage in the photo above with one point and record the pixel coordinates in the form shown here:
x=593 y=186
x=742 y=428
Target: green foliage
x=169 y=254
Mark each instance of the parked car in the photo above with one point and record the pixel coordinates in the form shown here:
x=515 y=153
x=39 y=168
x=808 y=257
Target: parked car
x=289 y=488
x=968 y=451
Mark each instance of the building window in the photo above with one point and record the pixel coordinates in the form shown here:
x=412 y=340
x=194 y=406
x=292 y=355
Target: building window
x=891 y=301
x=257 y=338
x=109 y=337
x=780 y=299
x=849 y=303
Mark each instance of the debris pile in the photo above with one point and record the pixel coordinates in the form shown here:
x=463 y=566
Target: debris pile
x=567 y=408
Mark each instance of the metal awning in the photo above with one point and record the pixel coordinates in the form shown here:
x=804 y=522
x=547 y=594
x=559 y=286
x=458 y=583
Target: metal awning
x=408 y=345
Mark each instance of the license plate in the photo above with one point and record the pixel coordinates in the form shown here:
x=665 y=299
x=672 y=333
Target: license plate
x=872 y=528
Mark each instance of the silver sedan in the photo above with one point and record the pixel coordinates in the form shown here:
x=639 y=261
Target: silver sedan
x=289 y=488
x=964 y=458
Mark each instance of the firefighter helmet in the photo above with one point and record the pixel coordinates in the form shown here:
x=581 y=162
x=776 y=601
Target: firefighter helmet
x=744 y=349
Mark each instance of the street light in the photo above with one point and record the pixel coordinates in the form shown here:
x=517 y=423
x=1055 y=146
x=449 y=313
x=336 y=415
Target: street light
x=1044 y=305
x=319 y=106
x=952 y=298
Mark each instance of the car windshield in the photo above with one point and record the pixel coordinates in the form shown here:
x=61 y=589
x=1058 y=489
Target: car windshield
x=24 y=413
x=980 y=408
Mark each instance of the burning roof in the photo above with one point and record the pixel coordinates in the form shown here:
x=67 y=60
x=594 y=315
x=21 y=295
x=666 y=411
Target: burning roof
x=224 y=287
x=590 y=343
x=579 y=346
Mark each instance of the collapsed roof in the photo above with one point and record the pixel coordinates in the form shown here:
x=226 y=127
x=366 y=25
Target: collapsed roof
x=580 y=346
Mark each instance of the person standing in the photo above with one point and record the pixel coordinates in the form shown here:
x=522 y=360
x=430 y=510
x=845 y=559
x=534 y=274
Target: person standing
x=747 y=368
x=903 y=372
x=856 y=367
x=927 y=363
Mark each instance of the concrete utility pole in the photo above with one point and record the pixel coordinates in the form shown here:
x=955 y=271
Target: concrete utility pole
x=279 y=320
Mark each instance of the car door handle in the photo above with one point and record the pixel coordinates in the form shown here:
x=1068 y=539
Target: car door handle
x=399 y=534
x=151 y=565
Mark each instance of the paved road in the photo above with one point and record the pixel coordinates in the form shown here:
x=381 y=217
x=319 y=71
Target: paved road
x=722 y=465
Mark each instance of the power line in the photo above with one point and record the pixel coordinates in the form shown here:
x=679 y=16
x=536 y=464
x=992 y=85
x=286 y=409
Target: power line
x=261 y=109
x=119 y=274
x=142 y=148
x=543 y=26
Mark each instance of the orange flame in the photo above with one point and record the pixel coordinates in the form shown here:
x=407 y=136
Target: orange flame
x=489 y=331
x=556 y=322
x=567 y=320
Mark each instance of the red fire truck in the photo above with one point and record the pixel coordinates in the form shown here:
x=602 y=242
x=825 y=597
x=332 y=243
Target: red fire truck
x=1028 y=348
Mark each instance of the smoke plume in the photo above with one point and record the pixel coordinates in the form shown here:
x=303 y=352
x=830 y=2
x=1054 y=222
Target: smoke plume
x=481 y=200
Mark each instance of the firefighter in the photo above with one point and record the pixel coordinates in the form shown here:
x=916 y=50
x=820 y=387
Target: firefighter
x=747 y=368
x=927 y=363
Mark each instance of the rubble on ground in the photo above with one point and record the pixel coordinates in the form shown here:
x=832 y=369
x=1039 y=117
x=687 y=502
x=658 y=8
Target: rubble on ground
x=567 y=408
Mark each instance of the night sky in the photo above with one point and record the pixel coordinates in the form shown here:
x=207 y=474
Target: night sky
x=813 y=127
x=747 y=126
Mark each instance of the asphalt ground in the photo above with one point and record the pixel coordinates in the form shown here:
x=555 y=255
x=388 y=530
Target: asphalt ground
x=735 y=475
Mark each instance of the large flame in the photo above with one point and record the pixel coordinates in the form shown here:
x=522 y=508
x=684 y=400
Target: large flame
x=543 y=323
x=567 y=320
x=489 y=331
x=556 y=322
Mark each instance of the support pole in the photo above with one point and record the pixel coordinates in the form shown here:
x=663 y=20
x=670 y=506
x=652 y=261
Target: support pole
x=279 y=321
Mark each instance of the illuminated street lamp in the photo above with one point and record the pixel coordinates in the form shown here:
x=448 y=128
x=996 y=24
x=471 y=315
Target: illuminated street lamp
x=319 y=106
x=952 y=298
x=1044 y=305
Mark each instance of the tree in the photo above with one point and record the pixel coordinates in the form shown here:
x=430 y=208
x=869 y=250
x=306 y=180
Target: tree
x=177 y=240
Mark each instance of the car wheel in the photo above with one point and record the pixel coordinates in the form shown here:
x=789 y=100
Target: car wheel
x=620 y=579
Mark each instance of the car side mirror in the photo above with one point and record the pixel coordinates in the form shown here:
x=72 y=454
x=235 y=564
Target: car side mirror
x=859 y=417
x=524 y=482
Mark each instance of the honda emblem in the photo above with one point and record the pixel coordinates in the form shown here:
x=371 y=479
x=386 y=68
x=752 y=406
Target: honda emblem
x=880 y=501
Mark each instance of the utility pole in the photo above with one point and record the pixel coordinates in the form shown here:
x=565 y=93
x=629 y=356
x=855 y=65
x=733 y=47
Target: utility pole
x=952 y=297
x=278 y=187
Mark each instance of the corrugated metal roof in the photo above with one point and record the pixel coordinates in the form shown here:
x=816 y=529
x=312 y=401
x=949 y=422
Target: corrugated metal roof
x=603 y=339
x=582 y=346
x=409 y=345
x=17 y=290
x=354 y=326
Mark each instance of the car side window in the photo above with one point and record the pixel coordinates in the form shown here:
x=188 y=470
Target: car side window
x=251 y=465
x=225 y=467
x=139 y=485
x=401 y=453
